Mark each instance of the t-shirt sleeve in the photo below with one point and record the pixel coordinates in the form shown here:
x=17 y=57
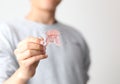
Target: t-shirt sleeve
x=8 y=63
x=86 y=62
x=86 y=55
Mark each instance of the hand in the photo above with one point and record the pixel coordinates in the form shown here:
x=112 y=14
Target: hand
x=28 y=53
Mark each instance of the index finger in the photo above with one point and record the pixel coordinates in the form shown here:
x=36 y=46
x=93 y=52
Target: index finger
x=33 y=40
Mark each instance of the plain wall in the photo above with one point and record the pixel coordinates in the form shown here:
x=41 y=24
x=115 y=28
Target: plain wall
x=98 y=21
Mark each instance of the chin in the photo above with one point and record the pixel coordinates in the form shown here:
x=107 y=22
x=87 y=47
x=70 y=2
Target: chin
x=46 y=4
x=49 y=4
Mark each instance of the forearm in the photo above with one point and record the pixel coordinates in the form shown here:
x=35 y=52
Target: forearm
x=16 y=78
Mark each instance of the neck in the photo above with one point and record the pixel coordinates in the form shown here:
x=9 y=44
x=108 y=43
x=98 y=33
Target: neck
x=41 y=16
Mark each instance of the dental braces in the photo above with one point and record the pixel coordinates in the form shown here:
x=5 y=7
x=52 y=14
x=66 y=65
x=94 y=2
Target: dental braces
x=52 y=36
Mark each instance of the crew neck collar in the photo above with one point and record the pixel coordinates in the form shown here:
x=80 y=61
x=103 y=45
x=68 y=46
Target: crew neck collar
x=41 y=24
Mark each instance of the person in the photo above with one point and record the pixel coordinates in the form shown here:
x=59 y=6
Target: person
x=25 y=60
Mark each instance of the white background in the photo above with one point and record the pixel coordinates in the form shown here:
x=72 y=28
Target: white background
x=98 y=21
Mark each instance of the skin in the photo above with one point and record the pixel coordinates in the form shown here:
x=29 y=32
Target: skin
x=31 y=50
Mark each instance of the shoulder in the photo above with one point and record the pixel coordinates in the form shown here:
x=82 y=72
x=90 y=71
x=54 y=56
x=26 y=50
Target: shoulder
x=11 y=24
x=6 y=32
x=76 y=36
x=6 y=26
x=72 y=31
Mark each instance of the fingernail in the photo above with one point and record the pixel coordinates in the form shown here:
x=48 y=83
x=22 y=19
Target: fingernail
x=46 y=55
x=42 y=42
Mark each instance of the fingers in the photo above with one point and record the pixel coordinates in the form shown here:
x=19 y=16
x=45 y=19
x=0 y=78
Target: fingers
x=35 y=59
x=30 y=46
x=30 y=49
x=32 y=40
x=29 y=53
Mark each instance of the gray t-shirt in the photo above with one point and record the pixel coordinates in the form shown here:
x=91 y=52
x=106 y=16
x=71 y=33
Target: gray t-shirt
x=67 y=64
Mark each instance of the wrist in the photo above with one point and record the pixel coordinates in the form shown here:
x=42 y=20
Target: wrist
x=21 y=76
x=17 y=78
